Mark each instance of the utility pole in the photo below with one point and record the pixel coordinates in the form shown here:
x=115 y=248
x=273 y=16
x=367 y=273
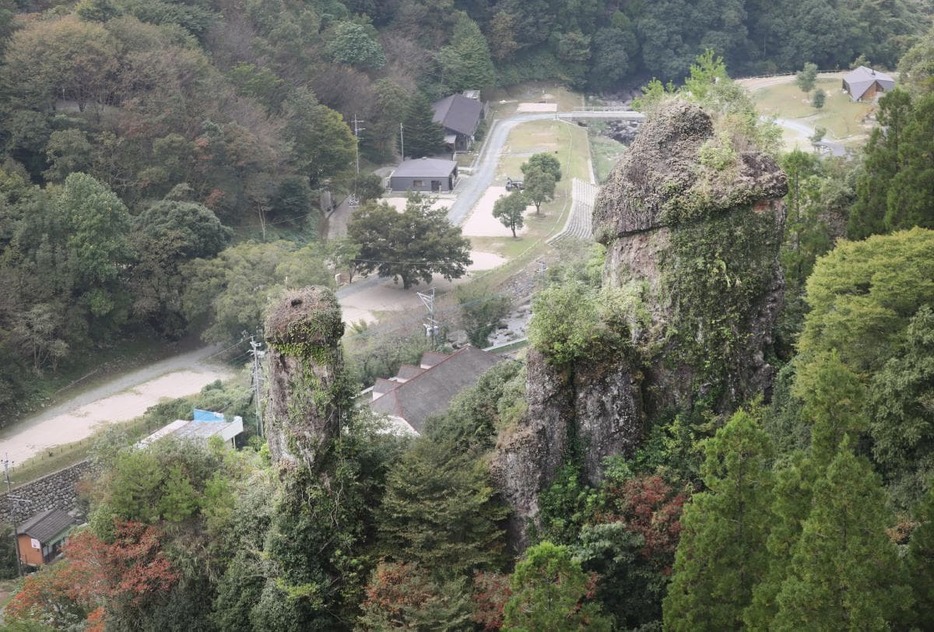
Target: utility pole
x=257 y=377
x=431 y=325
x=356 y=132
x=9 y=494
x=402 y=141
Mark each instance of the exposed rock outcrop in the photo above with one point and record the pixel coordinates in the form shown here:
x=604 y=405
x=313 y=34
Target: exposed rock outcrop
x=692 y=222
x=305 y=387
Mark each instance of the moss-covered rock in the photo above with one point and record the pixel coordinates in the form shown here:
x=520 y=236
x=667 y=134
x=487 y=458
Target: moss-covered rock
x=308 y=392
x=681 y=168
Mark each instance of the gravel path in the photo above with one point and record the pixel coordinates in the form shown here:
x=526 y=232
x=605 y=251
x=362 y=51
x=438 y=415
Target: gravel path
x=120 y=399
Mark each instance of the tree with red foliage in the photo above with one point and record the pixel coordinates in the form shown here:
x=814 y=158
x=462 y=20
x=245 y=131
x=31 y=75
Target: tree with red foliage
x=649 y=507
x=404 y=596
x=631 y=545
x=97 y=579
x=490 y=593
x=132 y=569
x=52 y=596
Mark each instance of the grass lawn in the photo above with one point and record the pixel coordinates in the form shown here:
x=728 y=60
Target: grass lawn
x=504 y=101
x=842 y=118
x=570 y=144
x=606 y=153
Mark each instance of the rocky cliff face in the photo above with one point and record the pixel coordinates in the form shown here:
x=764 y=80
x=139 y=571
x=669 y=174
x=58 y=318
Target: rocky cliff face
x=692 y=222
x=305 y=399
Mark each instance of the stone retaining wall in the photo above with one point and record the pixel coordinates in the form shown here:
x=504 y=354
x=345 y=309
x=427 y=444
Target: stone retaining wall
x=55 y=491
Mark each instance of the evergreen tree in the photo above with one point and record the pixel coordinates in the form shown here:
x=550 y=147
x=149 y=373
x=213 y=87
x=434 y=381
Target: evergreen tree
x=911 y=193
x=439 y=511
x=844 y=572
x=466 y=62
x=421 y=135
x=793 y=491
x=833 y=401
x=722 y=549
x=901 y=397
x=549 y=592
x=880 y=166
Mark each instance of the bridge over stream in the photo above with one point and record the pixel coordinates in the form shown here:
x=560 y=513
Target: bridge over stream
x=608 y=113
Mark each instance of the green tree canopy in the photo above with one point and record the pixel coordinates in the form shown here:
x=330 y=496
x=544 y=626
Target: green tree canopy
x=902 y=407
x=421 y=136
x=466 y=61
x=844 y=571
x=510 y=210
x=806 y=78
x=549 y=592
x=322 y=143
x=439 y=511
x=722 y=553
x=411 y=246
x=543 y=161
x=863 y=294
x=355 y=44
x=539 y=186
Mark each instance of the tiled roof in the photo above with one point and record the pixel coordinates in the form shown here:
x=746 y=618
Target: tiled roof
x=407 y=371
x=458 y=113
x=46 y=526
x=431 y=358
x=430 y=392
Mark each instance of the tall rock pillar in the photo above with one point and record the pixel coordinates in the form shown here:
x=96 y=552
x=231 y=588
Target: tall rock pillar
x=307 y=391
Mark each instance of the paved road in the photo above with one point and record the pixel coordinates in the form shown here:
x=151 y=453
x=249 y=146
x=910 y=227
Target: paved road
x=470 y=188
x=835 y=148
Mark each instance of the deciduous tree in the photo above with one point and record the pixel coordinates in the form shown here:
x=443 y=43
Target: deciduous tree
x=539 y=187
x=510 y=210
x=545 y=162
x=806 y=78
x=411 y=246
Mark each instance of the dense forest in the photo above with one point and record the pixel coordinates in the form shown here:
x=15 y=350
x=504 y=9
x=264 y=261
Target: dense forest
x=171 y=123
x=163 y=169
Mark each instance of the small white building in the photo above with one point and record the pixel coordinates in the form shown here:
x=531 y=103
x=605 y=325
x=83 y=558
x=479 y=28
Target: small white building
x=197 y=430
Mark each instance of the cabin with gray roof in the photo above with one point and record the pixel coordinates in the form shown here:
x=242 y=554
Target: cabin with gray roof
x=433 y=175
x=460 y=117
x=864 y=84
x=417 y=393
x=40 y=538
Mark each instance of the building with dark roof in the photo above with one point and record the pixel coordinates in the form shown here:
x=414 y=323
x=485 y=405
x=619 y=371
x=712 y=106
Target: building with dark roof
x=40 y=538
x=863 y=84
x=460 y=117
x=424 y=174
x=417 y=393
